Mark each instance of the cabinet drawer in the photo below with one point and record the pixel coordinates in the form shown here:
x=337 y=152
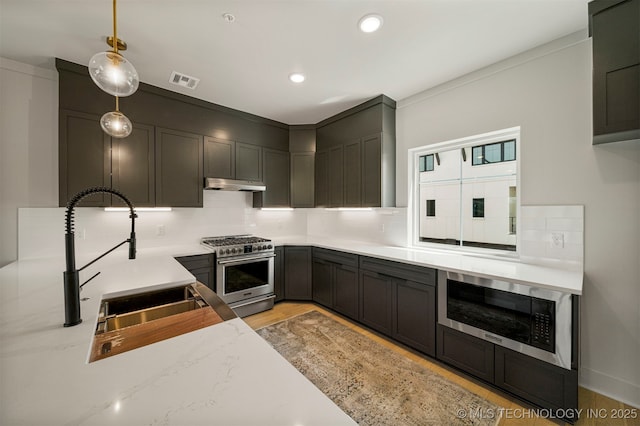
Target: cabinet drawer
x=544 y=384
x=405 y=271
x=470 y=354
x=334 y=256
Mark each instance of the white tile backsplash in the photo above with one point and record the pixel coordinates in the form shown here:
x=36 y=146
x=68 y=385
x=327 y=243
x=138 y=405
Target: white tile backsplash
x=538 y=223
x=41 y=230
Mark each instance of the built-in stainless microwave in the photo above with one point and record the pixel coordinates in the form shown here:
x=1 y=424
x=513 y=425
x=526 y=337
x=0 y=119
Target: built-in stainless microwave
x=531 y=320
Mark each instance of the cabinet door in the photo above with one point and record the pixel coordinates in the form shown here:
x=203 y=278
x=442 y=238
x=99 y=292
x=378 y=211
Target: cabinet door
x=322 y=282
x=346 y=290
x=616 y=69
x=278 y=274
x=321 y=183
x=297 y=275
x=83 y=157
x=352 y=174
x=336 y=176
x=371 y=171
x=542 y=383
x=201 y=266
x=375 y=301
x=179 y=180
x=302 y=179
x=276 y=178
x=468 y=353
x=219 y=158
x=414 y=315
x=133 y=167
x=248 y=162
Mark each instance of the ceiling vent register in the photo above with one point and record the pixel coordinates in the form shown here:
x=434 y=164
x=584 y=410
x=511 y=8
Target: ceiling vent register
x=183 y=80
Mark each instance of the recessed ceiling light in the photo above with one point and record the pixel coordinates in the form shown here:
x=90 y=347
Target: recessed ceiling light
x=297 y=77
x=370 y=23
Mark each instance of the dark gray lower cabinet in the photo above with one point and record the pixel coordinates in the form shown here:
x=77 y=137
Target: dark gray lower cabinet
x=297 y=273
x=202 y=267
x=375 y=301
x=468 y=353
x=335 y=281
x=538 y=382
x=399 y=300
x=278 y=274
x=414 y=315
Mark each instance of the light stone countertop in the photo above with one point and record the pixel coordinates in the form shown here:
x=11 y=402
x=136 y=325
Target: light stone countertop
x=223 y=374
x=563 y=277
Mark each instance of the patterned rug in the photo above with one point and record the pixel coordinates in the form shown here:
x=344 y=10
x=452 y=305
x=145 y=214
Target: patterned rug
x=371 y=383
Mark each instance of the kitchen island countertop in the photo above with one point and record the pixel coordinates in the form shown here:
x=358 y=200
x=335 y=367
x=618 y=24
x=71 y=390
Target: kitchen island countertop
x=222 y=374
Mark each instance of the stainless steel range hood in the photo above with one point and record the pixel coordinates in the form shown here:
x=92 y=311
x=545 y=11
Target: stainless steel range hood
x=233 y=185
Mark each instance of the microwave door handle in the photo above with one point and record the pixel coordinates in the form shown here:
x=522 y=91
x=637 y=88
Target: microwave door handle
x=245 y=259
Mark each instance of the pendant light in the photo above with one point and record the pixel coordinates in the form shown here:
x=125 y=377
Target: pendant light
x=111 y=71
x=116 y=124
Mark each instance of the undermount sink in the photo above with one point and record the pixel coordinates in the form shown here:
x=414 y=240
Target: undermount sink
x=128 y=311
x=130 y=322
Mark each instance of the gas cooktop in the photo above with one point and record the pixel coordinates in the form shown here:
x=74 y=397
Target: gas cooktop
x=238 y=245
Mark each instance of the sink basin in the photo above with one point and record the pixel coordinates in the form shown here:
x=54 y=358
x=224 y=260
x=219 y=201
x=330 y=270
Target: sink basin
x=130 y=322
x=128 y=311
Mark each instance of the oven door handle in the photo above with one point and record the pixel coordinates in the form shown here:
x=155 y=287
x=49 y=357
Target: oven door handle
x=246 y=259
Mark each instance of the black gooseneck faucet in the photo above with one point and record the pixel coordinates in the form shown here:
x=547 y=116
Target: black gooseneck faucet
x=72 y=284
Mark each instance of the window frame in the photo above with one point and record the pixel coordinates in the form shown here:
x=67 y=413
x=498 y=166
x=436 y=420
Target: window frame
x=413 y=199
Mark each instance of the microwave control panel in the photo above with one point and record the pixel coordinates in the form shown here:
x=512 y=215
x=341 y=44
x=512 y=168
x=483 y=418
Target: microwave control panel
x=542 y=324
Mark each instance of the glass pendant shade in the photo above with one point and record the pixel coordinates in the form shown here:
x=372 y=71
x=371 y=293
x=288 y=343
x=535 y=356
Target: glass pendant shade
x=116 y=124
x=112 y=73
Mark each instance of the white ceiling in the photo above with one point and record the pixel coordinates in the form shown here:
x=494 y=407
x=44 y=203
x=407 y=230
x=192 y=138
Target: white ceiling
x=245 y=64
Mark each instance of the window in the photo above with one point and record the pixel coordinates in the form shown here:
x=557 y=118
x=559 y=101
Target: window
x=477 y=206
x=431 y=208
x=494 y=153
x=426 y=163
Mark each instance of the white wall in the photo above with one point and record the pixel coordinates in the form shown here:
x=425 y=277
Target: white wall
x=547 y=91
x=28 y=146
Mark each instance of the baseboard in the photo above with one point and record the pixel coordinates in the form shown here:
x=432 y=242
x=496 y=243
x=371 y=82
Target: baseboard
x=610 y=386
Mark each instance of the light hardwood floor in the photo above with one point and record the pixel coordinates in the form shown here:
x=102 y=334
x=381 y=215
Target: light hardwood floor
x=516 y=413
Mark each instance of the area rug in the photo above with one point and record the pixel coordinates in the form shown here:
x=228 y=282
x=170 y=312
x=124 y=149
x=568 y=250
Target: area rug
x=371 y=383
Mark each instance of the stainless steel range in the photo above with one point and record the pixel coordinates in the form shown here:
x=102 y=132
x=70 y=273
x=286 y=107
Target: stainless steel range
x=244 y=272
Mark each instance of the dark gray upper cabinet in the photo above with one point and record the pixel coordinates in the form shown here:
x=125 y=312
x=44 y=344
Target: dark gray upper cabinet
x=302 y=146
x=219 y=158
x=178 y=168
x=336 y=176
x=614 y=27
x=84 y=159
x=352 y=174
x=276 y=178
x=248 y=162
x=89 y=157
x=355 y=161
x=321 y=182
x=133 y=166
x=302 y=179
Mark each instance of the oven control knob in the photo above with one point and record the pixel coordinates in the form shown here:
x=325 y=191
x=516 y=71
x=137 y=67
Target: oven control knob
x=269 y=246
x=233 y=250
